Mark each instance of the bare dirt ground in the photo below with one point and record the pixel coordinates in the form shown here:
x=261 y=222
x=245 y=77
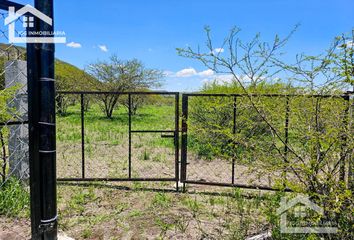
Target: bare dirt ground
x=14 y=229
x=111 y=161
x=148 y=210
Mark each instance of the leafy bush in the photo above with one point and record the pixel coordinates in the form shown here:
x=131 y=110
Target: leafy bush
x=14 y=199
x=315 y=155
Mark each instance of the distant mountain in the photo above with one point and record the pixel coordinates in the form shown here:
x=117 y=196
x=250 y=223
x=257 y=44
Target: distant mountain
x=69 y=77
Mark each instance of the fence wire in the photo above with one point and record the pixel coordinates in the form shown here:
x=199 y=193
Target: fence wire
x=136 y=142
x=266 y=141
x=14 y=162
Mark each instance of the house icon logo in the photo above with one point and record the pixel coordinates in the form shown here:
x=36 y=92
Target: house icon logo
x=302 y=205
x=28 y=14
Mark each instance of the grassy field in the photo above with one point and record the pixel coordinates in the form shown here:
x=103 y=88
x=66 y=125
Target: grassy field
x=144 y=211
x=107 y=144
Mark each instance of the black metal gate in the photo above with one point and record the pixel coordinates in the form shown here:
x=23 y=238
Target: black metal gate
x=133 y=171
x=222 y=172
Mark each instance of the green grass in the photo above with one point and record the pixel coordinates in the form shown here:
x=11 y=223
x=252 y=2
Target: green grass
x=14 y=199
x=114 y=131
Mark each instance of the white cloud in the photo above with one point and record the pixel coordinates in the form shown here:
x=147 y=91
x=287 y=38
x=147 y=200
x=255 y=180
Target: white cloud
x=190 y=72
x=206 y=73
x=103 y=48
x=218 y=50
x=187 y=72
x=220 y=79
x=73 y=45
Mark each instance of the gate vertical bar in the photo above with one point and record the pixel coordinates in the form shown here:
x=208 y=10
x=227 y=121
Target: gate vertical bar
x=82 y=135
x=176 y=140
x=184 y=140
x=130 y=135
x=234 y=133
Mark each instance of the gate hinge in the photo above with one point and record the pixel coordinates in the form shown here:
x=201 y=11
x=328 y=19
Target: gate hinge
x=48 y=225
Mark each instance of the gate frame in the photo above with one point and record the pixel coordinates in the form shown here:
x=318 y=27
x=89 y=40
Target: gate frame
x=175 y=136
x=184 y=134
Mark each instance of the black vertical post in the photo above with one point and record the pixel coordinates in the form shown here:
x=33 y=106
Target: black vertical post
x=42 y=152
x=176 y=139
x=344 y=138
x=130 y=135
x=33 y=151
x=184 y=140
x=351 y=157
x=286 y=130
x=234 y=133
x=82 y=135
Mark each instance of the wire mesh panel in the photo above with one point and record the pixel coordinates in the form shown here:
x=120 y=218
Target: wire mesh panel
x=68 y=135
x=14 y=159
x=117 y=136
x=106 y=137
x=261 y=141
x=153 y=131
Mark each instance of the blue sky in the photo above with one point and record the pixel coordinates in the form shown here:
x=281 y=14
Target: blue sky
x=151 y=30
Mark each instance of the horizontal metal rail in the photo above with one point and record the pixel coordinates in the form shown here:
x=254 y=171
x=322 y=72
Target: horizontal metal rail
x=116 y=179
x=118 y=93
x=152 y=131
x=13 y=123
x=255 y=187
x=263 y=95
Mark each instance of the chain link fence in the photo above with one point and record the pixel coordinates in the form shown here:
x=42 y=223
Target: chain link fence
x=14 y=159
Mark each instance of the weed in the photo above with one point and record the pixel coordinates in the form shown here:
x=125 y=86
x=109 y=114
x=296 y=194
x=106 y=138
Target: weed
x=164 y=226
x=161 y=200
x=80 y=199
x=135 y=213
x=146 y=155
x=193 y=205
x=87 y=233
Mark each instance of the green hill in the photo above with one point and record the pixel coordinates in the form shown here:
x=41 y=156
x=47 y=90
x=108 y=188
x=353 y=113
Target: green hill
x=69 y=77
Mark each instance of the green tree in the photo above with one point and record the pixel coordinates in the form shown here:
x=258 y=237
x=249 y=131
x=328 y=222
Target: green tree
x=320 y=139
x=117 y=75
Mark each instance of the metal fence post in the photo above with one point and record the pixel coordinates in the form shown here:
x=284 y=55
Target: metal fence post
x=234 y=134
x=82 y=104
x=42 y=150
x=184 y=143
x=176 y=140
x=130 y=135
x=344 y=138
x=286 y=130
x=33 y=119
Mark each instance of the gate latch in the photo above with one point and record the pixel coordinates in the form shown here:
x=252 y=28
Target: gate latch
x=167 y=136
